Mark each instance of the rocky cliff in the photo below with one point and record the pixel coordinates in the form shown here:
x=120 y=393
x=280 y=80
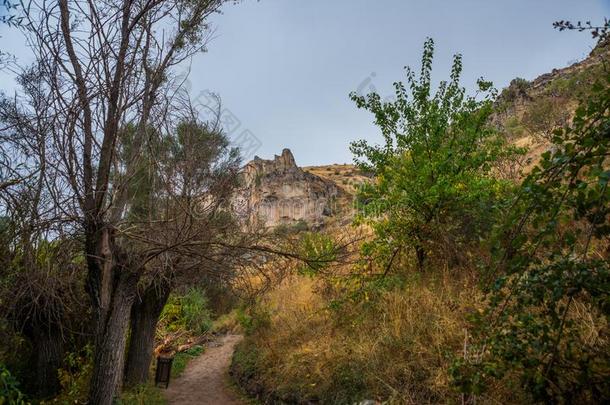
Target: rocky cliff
x=278 y=192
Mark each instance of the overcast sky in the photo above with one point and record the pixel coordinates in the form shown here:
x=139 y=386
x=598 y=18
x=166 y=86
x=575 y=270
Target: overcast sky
x=285 y=68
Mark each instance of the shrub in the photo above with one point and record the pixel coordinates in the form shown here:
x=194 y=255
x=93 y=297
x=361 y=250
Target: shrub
x=197 y=317
x=549 y=320
x=188 y=312
x=289 y=229
x=253 y=318
x=544 y=115
x=516 y=89
x=74 y=377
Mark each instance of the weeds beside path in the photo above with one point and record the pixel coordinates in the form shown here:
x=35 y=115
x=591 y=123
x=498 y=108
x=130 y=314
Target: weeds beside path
x=205 y=379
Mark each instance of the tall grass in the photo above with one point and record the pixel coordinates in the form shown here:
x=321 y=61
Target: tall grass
x=394 y=343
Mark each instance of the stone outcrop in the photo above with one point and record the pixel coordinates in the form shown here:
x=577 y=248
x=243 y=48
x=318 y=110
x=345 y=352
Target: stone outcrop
x=278 y=192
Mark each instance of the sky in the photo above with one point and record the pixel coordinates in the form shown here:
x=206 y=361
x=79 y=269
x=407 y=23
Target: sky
x=284 y=68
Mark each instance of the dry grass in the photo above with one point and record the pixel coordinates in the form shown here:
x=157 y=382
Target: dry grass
x=396 y=344
x=347 y=177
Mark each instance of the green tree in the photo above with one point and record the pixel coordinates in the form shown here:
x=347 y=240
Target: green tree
x=549 y=317
x=434 y=186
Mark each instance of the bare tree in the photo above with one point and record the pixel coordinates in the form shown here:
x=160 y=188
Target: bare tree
x=104 y=66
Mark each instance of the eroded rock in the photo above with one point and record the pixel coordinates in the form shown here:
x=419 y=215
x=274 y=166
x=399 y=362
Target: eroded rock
x=278 y=192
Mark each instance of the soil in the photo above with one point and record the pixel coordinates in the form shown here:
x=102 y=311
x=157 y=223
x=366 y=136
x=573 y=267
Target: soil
x=205 y=379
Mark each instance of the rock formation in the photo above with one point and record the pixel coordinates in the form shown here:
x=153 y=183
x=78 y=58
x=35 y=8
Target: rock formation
x=278 y=192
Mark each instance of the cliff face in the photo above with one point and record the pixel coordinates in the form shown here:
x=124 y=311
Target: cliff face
x=278 y=192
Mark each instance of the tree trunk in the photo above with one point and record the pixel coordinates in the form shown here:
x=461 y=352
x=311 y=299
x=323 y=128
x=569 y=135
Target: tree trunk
x=49 y=356
x=109 y=357
x=145 y=314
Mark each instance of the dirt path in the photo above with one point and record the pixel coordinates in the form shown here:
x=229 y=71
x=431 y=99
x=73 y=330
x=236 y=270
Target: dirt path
x=205 y=380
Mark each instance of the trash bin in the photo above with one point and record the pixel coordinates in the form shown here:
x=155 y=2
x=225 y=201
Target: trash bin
x=164 y=369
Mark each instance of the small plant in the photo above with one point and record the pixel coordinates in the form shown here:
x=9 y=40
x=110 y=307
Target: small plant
x=9 y=388
x=74 y=377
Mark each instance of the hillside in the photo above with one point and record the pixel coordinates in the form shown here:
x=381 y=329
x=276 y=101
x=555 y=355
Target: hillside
x=336 y=338
x=528 y=112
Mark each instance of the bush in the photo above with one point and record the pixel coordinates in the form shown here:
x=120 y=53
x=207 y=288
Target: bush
x=74 y=377
x=516 y=89
x=549 y=315
x=289 y=229
x=318 y=250
x=253 y=318
x=197 y=317
x=188 y=312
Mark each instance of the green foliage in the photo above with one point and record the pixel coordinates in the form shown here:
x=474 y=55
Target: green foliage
x=434 y=190
x=575 y=85
x=195 y=311
x=253 y=318
x=549 y=317
x=74 y=377
x=188 y=312
x=513 y=128
x=182 y=359
x=246 y=360
x=9 y=388
x=318 y=250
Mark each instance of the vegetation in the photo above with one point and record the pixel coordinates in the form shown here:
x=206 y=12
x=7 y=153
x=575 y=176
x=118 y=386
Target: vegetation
x=467 y=276
x=524 y=319
x=188 y=313
x=434 y=193
x=553 y=269
x=9 y=388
